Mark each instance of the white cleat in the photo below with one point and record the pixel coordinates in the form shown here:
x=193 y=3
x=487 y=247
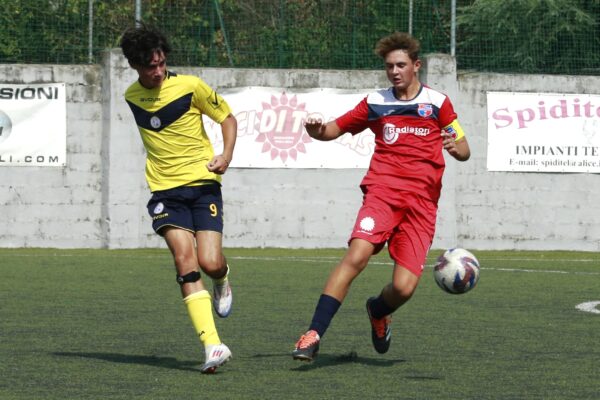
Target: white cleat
x=222 y=297
x=216 y=355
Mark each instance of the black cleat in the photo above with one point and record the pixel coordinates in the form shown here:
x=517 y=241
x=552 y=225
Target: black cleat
x=381 y=333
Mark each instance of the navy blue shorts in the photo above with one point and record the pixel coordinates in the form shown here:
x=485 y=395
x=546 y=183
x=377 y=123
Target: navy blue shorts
x=193 y=208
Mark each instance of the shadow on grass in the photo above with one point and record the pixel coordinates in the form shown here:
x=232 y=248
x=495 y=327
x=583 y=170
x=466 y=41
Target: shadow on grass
x=153 y=361
x=330 y=360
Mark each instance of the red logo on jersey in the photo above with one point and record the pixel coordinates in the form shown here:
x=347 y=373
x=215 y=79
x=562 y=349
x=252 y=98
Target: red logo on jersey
x=425 y=110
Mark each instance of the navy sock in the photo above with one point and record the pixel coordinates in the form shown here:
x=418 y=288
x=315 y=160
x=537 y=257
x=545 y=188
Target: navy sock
x=324 y=312
x=379 y=308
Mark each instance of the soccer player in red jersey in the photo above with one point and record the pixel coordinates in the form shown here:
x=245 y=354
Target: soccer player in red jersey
x=412 y=124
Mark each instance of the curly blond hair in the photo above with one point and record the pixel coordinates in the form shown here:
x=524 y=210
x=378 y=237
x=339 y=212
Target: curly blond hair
x=398 y=41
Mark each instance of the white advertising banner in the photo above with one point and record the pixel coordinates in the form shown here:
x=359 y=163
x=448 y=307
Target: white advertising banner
x=271 y=133
x=33 y=125
x=543 y=132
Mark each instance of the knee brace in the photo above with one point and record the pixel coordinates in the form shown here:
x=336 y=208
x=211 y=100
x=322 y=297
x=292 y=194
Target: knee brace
x=188 y=278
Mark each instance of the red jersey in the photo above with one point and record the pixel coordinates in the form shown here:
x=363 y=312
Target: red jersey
x=408 y=142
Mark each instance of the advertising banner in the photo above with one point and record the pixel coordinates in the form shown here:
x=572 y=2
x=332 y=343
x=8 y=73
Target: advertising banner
x=33 y=125
x=543 y=132
x=271 y=133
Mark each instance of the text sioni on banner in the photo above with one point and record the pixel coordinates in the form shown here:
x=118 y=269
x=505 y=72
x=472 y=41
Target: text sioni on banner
x=33 y=128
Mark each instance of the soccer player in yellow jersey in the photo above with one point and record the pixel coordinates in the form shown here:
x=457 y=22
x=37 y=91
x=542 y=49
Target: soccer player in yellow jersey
x=184 y=176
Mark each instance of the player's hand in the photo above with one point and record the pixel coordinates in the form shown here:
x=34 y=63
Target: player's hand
x=218 y=164
x=449 y=143
x=458 y=149
x=314 y=127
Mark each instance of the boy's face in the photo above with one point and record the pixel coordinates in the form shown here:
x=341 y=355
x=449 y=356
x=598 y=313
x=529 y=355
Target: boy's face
x=153 y=74
x=401 y=70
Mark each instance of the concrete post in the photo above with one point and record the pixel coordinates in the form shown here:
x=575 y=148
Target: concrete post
x=439 y=72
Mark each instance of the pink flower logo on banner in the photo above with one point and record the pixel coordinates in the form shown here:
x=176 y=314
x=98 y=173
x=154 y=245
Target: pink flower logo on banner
x=280 y=128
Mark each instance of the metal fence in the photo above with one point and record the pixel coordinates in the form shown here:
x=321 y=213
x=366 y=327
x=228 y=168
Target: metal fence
x=527 y=36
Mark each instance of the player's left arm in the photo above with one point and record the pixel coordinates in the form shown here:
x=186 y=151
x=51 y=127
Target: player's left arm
x=455 y=141
x=220 y=163
x=211 y=104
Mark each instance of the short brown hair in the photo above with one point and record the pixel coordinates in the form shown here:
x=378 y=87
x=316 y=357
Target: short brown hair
x=398 y=41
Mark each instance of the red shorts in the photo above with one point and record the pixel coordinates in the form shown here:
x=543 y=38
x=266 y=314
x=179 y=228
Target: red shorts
x=404 y=220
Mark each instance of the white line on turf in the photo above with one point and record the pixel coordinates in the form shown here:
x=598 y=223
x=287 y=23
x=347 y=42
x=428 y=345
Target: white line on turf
x=332 y=259
x=320 y=260
x=590 y=306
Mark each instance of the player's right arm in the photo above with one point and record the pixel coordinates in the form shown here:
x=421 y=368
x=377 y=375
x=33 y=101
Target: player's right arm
x=320 y=131
x=354 y=121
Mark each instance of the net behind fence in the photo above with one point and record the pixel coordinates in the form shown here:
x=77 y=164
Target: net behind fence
x=542 y=36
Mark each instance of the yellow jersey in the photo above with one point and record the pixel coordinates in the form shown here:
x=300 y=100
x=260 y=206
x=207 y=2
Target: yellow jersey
x=169 y=119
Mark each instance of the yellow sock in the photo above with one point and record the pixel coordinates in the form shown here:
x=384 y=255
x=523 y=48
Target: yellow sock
x=200 y=310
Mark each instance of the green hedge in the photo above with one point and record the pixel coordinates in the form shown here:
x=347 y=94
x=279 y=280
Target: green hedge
x=530 y=36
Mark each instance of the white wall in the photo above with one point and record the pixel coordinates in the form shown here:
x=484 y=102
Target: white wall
x=98 y=199
x=544 y=211
x=58 y=207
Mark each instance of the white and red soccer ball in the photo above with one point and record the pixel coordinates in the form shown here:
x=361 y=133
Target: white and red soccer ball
x=456 y=271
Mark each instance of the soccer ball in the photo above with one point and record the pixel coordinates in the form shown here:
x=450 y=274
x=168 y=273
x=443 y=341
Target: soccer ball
x=456 y=271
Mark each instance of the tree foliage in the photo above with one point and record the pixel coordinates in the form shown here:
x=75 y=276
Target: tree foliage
x=551 y=36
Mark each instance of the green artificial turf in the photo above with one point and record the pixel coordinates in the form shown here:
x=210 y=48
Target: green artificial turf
x=110 y=324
